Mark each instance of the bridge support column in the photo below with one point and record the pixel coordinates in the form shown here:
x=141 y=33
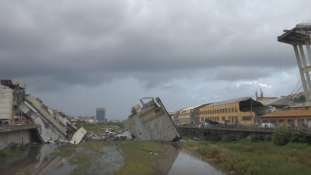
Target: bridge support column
x=303 y=79
x=308 y=49
x=304 y=63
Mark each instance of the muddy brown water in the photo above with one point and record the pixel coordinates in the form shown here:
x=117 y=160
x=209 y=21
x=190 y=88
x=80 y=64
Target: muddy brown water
x=37 y=160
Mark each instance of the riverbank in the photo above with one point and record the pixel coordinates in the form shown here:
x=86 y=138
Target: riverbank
x=9 y=153
x=255 y=158
x=120 y=158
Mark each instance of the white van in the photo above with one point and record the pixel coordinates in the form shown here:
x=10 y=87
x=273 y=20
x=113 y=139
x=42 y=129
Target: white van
x=267 y=125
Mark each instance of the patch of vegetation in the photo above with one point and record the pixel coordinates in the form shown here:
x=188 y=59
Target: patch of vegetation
x=81 y=155
x=100 y=129
x=250 y=138
x=138 y=159
x=188 y=144
x=268 y=138
x=10 y=152
x=300 y=137
x=297 y=146
x=259 y=158
x=150 y=146
x=300 y=99
x=226 y=138
x=281 y=135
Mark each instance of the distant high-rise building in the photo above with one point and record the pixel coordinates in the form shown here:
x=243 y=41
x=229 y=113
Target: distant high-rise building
x=100 y=114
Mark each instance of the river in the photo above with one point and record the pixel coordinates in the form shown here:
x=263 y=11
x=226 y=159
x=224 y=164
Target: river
x=37 y=160
x=189 y=162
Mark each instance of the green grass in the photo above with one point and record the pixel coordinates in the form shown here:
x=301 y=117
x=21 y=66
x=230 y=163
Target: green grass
x=81 y=155
x=94 y=128
x=258 y=158
x=138 y=159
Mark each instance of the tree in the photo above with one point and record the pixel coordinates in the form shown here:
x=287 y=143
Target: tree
x=281 y=135
x=300 y=99
x=300 y=137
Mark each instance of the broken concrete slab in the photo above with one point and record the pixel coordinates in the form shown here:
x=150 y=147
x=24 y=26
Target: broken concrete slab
x=78 y=136
x=151 y=122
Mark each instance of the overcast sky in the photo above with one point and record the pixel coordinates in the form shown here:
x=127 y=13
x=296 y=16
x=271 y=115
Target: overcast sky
x=78 y=55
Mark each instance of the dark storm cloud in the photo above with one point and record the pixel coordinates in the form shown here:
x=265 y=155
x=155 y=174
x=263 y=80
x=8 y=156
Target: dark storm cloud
x=88 y=43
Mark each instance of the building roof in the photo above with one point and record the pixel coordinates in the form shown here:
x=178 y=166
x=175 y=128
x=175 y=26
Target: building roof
x=278 y=101
x=292 y=113
x=172 y=112
x=237 y=100
x=192 y=107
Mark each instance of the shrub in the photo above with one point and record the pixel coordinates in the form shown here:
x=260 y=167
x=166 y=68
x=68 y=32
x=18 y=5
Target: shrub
x=212 y=154
x=300 y=137
x=250 y=138
x=226 y=138
x=204 y=143
x=214 y=138
x=281 y=135
x=205 y=150
x=268 y=138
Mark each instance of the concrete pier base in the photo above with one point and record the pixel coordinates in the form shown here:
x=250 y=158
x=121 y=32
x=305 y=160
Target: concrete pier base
x=19 y=137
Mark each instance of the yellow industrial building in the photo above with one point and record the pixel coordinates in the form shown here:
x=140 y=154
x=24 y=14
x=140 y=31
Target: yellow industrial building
x=185 y=115
x=189 y=115
x=239 y=110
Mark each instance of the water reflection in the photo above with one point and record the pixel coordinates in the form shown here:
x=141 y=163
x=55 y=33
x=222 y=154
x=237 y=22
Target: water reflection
x=39 y=161
x=36 y=160
x=188 y=162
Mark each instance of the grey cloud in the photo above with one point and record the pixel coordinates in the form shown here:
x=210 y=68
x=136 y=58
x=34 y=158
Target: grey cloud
x=84 y=43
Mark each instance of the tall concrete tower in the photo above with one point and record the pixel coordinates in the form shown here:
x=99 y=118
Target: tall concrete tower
x=299 y=37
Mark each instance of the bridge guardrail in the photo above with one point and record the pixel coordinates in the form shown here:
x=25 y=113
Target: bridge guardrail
x=8 y=126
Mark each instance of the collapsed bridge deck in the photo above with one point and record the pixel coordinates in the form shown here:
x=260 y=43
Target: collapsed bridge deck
x=151 y=122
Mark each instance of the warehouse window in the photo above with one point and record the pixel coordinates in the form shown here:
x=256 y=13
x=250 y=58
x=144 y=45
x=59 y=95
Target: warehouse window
x=236 y=109
x=246 y=118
